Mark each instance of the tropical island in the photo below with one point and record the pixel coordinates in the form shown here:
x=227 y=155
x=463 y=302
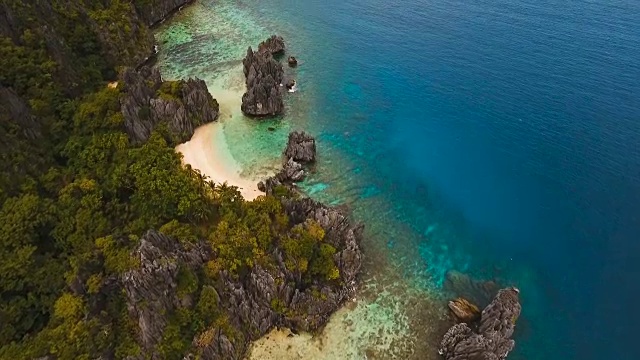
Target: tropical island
x=112 y=248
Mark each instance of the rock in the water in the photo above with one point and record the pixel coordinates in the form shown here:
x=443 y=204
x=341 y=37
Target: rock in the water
x=273 y=45
x=290 y=84
x=271 y=128
x=263 y=78
x=493 y=339
x=292 y=61
x=301 y=147
x=183 y=105
x=464 y=310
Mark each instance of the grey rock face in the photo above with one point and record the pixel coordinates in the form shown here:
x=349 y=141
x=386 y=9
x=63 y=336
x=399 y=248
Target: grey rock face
x=273 y=45
x=264 y=76
x=144 y=108
x=301 y=147
x=493 y=339
x=340 y=232
x=151 y=289
x=255 y=302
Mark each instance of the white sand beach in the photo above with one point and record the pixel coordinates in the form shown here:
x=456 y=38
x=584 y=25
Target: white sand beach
x=208 y=150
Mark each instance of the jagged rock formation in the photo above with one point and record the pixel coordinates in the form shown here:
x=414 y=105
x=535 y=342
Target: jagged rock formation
x=264 y=75
x=154 y=11
x=151 y=289
x=492 y=341
x=339 y=232
x=250 y=301
x=148 y=102
x=273 y=45
x=300 y=149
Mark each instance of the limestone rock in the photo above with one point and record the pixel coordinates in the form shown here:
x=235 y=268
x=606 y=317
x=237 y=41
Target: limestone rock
x=144 y=106
x=255 y=302
x=264 y=76
x=493 y=339
x=151 y=289
x=301 y=147
x=290 y=84
x=273 y=45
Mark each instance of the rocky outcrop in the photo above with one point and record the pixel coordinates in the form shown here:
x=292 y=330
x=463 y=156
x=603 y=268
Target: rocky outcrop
x=300 y=149
x=151 y=289
x=340 y=232
x=464 y=310
x=309 y=307
x=155 y=11
x=253 y=303
x=264 y=76
x=292 y=61
x=273 y=45
x=148 y=102
x=492 y=341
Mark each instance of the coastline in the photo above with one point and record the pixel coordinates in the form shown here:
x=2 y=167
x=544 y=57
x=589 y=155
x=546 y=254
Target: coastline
x=374 y=323
x=391 y=316
x=207 y=151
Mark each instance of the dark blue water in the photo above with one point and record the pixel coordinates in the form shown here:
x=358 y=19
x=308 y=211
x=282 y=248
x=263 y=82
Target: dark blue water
x=514 y=126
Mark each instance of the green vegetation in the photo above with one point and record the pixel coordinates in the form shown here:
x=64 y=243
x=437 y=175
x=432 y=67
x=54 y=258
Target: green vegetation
x=170 y=90
x=77 y=197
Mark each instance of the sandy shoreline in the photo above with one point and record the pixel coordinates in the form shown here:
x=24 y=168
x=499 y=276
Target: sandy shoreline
x=207 y=151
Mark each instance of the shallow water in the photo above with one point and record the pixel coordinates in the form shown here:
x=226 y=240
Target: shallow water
x=498 y=138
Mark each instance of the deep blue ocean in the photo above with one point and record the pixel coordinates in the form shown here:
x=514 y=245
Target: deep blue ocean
x=501 y=136
x=519 y=121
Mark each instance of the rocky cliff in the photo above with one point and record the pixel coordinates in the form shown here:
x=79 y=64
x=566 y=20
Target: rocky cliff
x=148 y=102
x=266 y=296
x=492 y=339
x=253 y=303
x=264 y=76
x=152 y=289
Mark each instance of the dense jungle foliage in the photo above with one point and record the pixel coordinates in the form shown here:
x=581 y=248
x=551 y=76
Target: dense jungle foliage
x=76 y=195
